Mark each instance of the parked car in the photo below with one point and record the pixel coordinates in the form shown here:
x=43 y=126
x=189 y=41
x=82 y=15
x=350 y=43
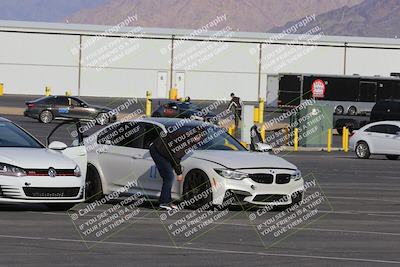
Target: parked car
x=33 y=173
x=46 y=109
x=386 y=110
x=381 y=138
x=256 y=178
x=175 y=109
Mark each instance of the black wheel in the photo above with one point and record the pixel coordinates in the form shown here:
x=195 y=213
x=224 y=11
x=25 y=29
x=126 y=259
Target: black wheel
x=93 y=186
x=362 y=150
x=352 y=111
x=61 y=206
x=196 y=182
x=46 y=116
x=340 y=131
x=339 y=110
x=392 y=157
x=102 y=119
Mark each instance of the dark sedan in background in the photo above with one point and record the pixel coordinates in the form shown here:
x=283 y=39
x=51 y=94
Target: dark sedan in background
x=182 y=110
x=46 y=109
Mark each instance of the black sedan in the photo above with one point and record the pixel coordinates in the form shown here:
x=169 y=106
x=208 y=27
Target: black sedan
x=46 y=109
x=182 y=110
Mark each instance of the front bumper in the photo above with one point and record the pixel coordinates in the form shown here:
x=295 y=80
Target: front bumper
x=247 y=191
x=38 y=189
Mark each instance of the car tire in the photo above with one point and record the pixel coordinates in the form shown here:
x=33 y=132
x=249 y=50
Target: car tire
x=196 y=182
x=392 y=157
x=362 y=150
x=339 y=110
x=102 y=119
x=46 y=116
x=93 y=185
x=61 y=206
x=340 y=131
x=352 y=111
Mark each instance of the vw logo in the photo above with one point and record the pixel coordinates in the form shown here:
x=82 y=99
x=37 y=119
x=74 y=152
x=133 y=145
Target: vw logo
x=52 y=172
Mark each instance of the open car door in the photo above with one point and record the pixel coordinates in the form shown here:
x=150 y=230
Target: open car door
x=77 y=152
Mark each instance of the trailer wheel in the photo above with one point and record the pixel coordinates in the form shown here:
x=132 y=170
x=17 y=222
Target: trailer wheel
x=352 y=111
x=339 y=110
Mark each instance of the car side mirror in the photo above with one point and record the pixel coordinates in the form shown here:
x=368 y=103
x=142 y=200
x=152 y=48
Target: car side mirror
x=261 y=147
x=56 y=145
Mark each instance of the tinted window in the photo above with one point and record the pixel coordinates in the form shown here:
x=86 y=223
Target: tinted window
x=128 y=134
x=74 y=102
x=393 y=129
x=382 y=128
x=13 y=136
x=61 y=101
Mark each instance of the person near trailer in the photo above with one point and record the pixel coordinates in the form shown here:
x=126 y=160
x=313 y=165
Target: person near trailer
x=235 y=105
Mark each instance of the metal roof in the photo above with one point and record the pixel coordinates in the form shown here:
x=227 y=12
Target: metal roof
x=167 y=33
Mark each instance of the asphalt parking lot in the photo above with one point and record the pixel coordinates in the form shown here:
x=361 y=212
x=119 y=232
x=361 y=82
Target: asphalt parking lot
x=359 y=227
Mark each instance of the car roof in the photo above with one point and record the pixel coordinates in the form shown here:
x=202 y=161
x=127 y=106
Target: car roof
x=4 y=120
x=384 y=122
x=173 y=121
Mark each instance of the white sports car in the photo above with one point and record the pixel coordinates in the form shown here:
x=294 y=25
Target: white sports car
x=33 y=173
x=119 y=153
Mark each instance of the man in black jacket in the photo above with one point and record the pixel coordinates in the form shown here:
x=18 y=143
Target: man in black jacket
x=236 y=106
x=167 y=151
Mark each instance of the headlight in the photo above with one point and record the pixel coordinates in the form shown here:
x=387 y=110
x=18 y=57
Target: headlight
x=296 y=176
x=77 y=171
x=231 y=174
x=10 y=170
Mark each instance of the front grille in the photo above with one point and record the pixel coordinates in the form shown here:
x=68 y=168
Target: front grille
x=270 y=198
x=45 y=172
x=262 y=178
x=282 y=178
x=50 y=192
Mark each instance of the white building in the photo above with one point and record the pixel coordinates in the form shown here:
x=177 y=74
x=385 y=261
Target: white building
x=35 y=55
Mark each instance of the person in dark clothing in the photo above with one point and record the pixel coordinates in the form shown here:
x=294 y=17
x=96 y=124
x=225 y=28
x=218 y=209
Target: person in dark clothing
x=236 y=106
x=167 y=151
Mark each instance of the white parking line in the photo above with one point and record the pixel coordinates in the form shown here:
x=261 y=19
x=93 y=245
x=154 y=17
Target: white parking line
x=285 y=255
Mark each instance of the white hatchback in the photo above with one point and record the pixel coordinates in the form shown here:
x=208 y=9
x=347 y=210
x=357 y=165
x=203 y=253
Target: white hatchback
x=380 y=138
x=32 y=173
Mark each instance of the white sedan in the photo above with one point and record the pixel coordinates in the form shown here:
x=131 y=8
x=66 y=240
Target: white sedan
x=381 y=138
x=118 y=155
x=33 y=173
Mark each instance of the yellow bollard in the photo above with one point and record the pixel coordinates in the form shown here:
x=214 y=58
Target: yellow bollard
x=344 y=138
x=173 y=94
x=68 y=93
x=231 y=130
x=261 y=110
x=148 y=103
x=256 y=118
x=47 y=91
x=296 y=139
x=263 y=133
x=1 y=89
x=329 y=140
x=346 y=147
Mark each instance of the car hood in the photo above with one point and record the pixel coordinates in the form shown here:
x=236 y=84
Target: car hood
x=35 y=158
x=243 y=159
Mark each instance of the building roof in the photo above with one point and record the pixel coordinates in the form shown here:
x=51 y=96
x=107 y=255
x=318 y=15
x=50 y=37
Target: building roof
x=167 y=33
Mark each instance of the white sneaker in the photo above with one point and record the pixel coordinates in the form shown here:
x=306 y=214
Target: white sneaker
x=168 y=206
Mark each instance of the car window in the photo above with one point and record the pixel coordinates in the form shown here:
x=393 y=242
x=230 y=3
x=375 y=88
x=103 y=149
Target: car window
x=61 y=101
x=377 y=129
x=13 y=136
x=127 y=134
x=73 y=102
x=392 y=129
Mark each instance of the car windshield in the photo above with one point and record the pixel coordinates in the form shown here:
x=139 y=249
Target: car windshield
x=215 y=138
x=13 y=136
x=189 y=106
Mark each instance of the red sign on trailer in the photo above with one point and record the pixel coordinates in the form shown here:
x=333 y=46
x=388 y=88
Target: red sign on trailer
x=318 y=88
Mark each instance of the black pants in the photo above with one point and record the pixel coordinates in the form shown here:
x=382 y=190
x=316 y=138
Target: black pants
x=167 y=174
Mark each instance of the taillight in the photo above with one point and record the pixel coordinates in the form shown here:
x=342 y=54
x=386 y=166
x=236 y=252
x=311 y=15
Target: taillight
x=30 y=105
